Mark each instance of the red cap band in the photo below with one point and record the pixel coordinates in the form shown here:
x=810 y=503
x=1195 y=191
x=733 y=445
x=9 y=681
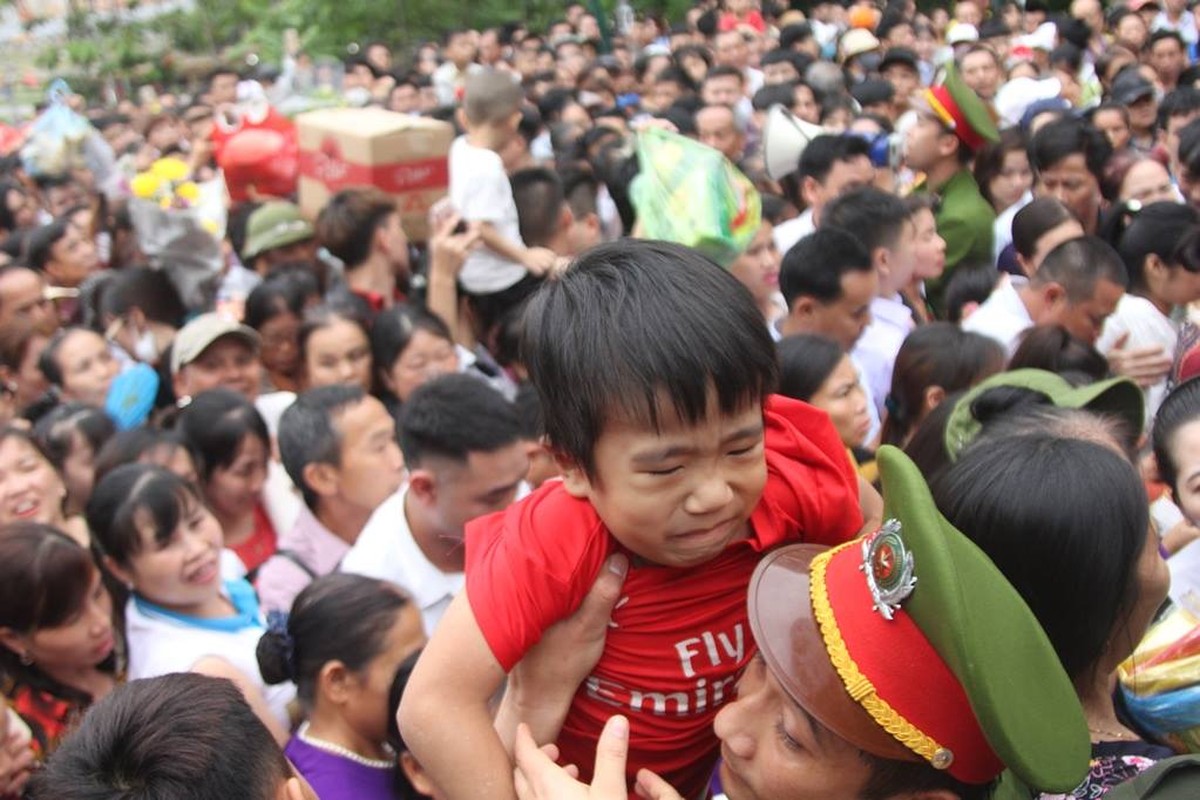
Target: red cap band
x=891 y=669
x=952 y=116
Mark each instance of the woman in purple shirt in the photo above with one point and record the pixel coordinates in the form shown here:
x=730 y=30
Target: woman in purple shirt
x=341 y=645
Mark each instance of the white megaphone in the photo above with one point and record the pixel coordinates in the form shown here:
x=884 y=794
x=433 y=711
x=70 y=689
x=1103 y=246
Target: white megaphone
x=784 y=138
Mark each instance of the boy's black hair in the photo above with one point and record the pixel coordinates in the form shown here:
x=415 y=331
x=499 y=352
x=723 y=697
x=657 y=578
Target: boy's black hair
x=634 y=325
x=815 y=265
x=183 y=735
x=876 y=217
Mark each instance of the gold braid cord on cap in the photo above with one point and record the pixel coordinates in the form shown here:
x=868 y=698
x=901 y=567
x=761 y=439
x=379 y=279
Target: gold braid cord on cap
x=859 y=686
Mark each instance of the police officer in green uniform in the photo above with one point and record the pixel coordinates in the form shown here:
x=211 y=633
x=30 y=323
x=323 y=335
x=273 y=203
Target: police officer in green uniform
x=953 y=125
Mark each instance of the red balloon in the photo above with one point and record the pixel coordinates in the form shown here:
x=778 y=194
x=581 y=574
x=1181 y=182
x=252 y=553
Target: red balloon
x=264 y=159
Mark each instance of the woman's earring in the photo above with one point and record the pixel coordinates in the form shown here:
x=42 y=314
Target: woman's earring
x=26 y=659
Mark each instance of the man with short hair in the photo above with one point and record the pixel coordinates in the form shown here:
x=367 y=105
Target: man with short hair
x=23 y=300
x=405 y=98
x=547 y=215
x=981 y=71
x=581 y=190
x=458 y=49
x=883 y=224
x=182 y=735
x=1176 y=110
x=783 y=66
x=222 y=86
x=1068 y=157
x=338 y=445
x=723 y=86
x=828 y=283
x=63 y=253
x=828 y=166
x=730 y=50
x=1166 y=52
x=362 y=227
x=717 y=127
x=952 y=126
x=466 y=458
x=1077 y=286
x=901 y=68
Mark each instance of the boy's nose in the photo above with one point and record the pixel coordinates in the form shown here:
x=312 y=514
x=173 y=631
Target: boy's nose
x=711 y=494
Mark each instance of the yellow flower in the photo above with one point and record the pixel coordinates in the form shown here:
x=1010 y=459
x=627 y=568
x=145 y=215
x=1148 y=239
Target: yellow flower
x=170 y=169
x=188 y=191
x=165 y=204
x=145 y=185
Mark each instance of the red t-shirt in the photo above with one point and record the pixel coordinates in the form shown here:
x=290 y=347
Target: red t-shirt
x=261 y=545
x=680 y=637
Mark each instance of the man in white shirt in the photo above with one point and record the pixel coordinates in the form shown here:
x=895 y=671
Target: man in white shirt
x=462 y=443
x=828 y=282
x=882 y=223
x=1078 y=286
x=829 y=166
x=459 y=50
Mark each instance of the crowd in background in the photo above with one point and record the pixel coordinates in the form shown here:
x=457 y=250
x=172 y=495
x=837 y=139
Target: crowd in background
x=979 y=242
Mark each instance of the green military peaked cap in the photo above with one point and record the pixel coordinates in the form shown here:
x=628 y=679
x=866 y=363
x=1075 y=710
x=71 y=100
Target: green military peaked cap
x=910 y=644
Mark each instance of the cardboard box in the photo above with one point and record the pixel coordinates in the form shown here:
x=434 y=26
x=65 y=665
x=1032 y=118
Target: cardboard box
x=404 y=156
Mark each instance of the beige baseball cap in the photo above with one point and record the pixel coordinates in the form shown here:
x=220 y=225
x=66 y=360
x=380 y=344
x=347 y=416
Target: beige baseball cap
x=196 y=336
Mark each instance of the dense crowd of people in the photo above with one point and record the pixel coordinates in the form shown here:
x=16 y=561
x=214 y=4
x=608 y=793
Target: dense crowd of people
x=883 y=505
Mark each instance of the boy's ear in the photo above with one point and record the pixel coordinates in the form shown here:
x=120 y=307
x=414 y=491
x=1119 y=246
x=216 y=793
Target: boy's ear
x=574 y=477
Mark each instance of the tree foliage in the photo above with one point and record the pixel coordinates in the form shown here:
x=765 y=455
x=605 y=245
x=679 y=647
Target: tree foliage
x=101 y=47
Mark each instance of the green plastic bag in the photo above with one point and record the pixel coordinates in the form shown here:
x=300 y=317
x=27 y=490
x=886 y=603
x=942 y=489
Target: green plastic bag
x=690 y=194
